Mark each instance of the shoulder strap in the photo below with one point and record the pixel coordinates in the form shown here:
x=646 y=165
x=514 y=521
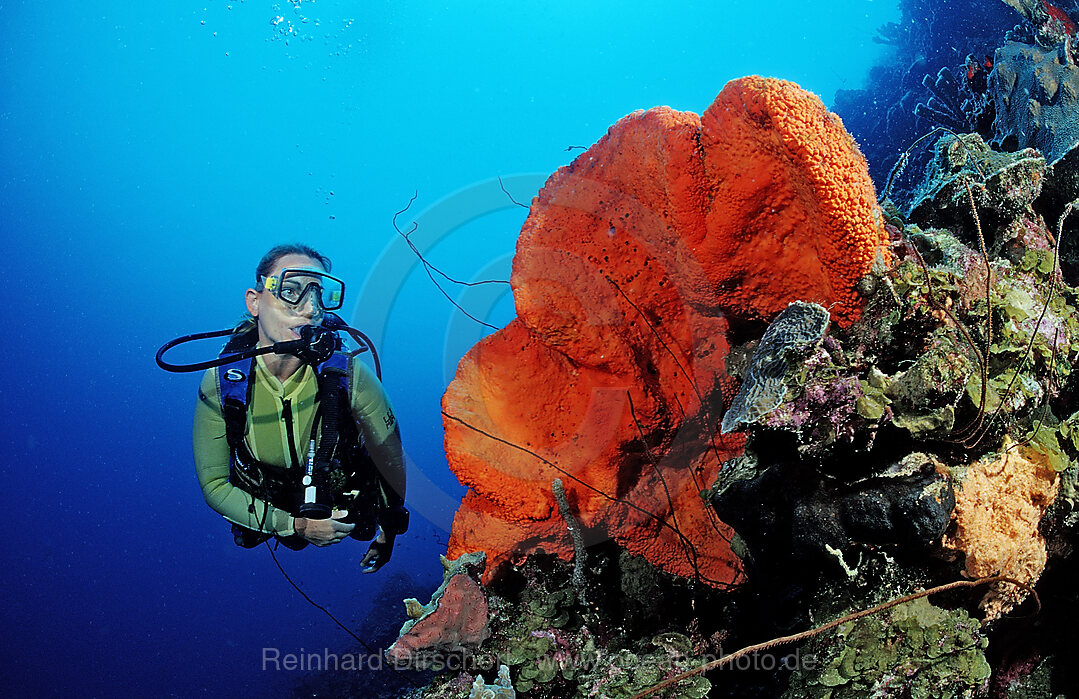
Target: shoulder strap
x=234 y=386
x=334 y=403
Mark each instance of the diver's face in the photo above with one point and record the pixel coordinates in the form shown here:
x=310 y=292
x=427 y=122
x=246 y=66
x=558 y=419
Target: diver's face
x=277 y=320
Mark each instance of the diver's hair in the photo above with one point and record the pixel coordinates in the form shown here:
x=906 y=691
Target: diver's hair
x=245 y=324
x=266 y=265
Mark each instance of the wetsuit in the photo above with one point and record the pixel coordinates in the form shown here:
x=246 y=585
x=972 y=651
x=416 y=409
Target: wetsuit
x=268 y=441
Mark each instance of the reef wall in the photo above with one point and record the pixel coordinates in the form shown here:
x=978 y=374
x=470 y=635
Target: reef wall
x=631 y=265
x=773 y=401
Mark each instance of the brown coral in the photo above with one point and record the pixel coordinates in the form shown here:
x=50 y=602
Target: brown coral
x=454 y=621
x=998 y=507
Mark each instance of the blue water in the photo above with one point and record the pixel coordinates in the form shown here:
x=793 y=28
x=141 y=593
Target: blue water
x=151 y=152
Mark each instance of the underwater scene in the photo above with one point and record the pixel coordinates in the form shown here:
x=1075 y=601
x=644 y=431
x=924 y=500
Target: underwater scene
x=541 y=350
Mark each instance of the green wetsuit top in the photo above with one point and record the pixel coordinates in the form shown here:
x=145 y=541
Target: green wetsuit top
x=268 y=442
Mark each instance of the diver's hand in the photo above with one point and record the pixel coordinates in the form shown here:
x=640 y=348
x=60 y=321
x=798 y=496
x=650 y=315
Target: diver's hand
x=378 y=553
x=323 y=532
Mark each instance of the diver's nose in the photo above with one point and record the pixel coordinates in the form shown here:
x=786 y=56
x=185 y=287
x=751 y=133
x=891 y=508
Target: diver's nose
x=311 y=307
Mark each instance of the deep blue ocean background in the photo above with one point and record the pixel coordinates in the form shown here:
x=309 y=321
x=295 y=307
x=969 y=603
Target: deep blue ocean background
x=151 y=152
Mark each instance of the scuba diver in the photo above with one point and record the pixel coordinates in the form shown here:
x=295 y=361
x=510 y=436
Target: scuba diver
x=294 y=437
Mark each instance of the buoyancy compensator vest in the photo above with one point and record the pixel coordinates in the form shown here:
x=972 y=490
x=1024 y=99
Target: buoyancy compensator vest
x=336 y=471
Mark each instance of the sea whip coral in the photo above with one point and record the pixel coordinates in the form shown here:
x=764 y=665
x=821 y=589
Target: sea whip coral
x=613 y=377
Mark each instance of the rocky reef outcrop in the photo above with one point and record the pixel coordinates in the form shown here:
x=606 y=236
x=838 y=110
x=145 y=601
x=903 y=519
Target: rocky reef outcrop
x=630 y=267
x=744 y=450
x=911 y=425
x=774 y=405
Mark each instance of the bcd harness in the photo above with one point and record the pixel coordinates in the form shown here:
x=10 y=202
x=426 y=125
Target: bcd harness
x=341 y=464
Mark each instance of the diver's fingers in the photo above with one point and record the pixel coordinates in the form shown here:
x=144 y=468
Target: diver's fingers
x=339 y=514
x=371 y=560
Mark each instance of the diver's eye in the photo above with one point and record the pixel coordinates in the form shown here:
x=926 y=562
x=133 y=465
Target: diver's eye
x=290 y=292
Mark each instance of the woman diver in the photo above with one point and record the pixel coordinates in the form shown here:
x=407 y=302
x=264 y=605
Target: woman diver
x=293 y=437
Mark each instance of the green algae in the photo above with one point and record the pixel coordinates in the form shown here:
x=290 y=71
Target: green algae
x=625 y=673
x=914 y=650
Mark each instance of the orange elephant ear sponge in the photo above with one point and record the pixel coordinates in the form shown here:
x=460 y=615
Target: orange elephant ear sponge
x=613 y=375
x=607 y=377
x=793 y=214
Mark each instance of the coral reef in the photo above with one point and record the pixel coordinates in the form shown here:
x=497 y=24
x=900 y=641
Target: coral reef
x=914 y=650
x=981 y=349
x=987 y=352
x=1004 y=197
x=928 y=37
x=889 y=453
x=501 y=689
x=793 y=332
x=559 y=648
x=454 y=621
x=1017 y=90
x=934 y=437
x=907 y=418
x=613 y=374
x=1036 y=92
x=545 y=644
x=1050 y=21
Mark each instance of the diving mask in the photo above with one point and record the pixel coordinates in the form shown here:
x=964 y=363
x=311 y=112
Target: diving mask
x=293 y=286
